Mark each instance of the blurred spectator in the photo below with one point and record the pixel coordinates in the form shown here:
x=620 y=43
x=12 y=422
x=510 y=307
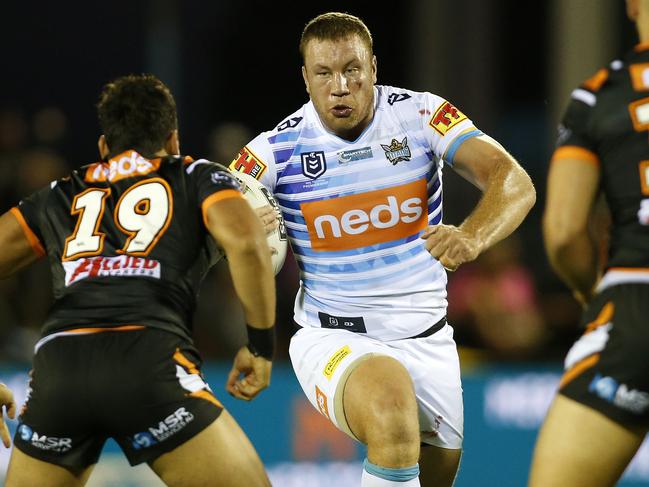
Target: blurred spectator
x=26 y=166
x=13 y=141
x=226 y=140
x=50 y=126
x=493 y=304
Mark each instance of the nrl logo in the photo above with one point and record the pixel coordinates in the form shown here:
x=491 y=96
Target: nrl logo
x=314 y=164
x=397 y=151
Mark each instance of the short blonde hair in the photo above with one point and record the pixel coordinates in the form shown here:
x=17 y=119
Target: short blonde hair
x=333 y=26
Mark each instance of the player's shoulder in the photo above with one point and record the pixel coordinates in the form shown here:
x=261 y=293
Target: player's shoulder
x=405 y=103
x=396 y=98
x=198 y=167
x=606 y=79
x=288 y=127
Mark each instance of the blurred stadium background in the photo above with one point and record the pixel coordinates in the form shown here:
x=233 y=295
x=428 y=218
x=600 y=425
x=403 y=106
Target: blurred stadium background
x=234 y=68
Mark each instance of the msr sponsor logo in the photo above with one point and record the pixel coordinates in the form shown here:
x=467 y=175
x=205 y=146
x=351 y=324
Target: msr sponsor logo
x=43 y=442
x=166 y=428
x=364 y=219
x=126 y=165
x=122 y=265
x=619 y=394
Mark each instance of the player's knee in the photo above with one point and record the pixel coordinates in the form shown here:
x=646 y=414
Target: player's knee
x=393 y=415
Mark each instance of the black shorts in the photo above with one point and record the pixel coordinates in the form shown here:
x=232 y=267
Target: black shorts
x=143 y=388
x=608 y=367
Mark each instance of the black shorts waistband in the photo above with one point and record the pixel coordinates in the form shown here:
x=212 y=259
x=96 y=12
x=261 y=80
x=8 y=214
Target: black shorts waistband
x=426 y=333
x=433 y=329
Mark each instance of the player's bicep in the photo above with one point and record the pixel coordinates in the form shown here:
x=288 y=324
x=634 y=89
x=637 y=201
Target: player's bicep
x=231 y=220
x=572 y=186
x=477 y=158
x=20 y=247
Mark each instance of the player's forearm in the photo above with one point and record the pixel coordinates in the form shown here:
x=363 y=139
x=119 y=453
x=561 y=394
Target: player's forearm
x=253 y=279
x=508 y=197
x=575 y=261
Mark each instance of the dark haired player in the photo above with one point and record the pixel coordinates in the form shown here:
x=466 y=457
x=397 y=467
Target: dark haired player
x=128 y=244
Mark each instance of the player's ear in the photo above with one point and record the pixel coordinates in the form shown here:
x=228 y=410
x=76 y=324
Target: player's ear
x=306 y=80
x=374 y=69
x=172 y=144
x=103 y=147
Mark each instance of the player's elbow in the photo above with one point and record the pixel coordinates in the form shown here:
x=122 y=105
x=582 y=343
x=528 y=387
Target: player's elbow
x=527 y=191
x=247 y=241
x=521 y=186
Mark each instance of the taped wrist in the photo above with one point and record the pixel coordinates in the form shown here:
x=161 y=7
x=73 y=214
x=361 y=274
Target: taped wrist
x=261 y=342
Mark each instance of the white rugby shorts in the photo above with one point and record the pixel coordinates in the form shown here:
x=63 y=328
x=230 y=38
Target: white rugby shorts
x=324 y=358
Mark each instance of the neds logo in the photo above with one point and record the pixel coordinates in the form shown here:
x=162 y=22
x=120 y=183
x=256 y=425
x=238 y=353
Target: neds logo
x=360 y=220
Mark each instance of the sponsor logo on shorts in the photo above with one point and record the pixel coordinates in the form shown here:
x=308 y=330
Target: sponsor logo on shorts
x=314 y=164
x=335 y=360
x=619 y=394
x=43 y=442
x=364 y=219
x=355 y=324
x=131 y=164
x=121 y=265
x=248 y=163
x=354 y=155
x=321 y=399
x=397 y=151
x=445 y=118
x=166 y=428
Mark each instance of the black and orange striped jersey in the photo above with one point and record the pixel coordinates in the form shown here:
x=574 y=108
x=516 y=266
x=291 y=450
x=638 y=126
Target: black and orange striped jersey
x=126 y=240
x=607 y=124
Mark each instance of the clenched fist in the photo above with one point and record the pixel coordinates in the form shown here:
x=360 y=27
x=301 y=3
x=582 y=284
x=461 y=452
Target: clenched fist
x=451 y=245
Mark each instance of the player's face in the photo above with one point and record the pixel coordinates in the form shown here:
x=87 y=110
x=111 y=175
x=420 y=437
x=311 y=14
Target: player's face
x=340 y=77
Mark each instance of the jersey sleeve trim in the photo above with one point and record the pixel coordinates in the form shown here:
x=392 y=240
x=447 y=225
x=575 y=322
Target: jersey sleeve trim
x=575 y=152
x=596 y=81
x=221 y=195
x=455 y=145
x=31 y=236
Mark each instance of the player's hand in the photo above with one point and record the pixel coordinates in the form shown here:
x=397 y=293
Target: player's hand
x=268 y=217
x=450 y=245
x=9 y=405
x=255 y=372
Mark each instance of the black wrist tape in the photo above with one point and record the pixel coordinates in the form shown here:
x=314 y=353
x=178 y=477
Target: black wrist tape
x=261 y=342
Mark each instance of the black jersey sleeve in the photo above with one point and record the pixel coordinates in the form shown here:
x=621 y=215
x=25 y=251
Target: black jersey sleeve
x=574 y=129
x=209 y=181
x=32 y=209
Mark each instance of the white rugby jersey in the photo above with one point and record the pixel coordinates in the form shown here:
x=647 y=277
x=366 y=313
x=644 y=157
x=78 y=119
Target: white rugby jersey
x=354 y=211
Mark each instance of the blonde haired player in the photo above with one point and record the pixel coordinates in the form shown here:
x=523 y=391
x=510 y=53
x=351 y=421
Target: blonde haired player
x=357 y=174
